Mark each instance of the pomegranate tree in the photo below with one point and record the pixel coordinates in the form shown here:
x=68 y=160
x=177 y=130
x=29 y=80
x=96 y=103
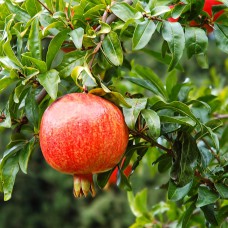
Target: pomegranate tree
x=83 y=134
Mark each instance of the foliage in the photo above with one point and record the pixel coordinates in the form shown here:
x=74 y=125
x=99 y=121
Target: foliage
x=50 y=48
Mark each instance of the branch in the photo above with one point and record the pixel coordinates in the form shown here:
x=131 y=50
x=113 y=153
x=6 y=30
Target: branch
x=150 y=140
x=41 y=96
x=220 y=116
x=41 y=3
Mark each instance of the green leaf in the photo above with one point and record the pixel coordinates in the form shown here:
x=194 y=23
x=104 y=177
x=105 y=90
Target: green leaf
x=77 y=37
x=39 y=64
x=183 y=222
x=54 y=47
x=206 y=196
x=142 y=34
x=5 y=82
x=221 y=37
x=153 y=122
x=222 y=190
x=17 y=92
x=171 y=81
x=31 y=108
x=206 y=156
x=164 y=163
x=102 y=178
x=112 y=49
x=21 y=15
x=118 y=99
x=124 y=11
x=182 y=120
x=33 y=7
x=131 y=114
x=152 y=82
x=122 y=181
x=158 y=10
x=178 y=107
x=177 y=193
x=138 y=204
x=50 y=81
x=105 y=28
x=34 y=41
x=173 y=33
x=165 y=60
x=94 y=10
x=9 y=172
x=186 y=155
x=25 y=154
x=196 y=41
x=7 y=46
x=70 y=61
x=209 y=214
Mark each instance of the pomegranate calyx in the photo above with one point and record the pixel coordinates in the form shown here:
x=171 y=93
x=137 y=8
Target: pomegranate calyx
x=83 y=184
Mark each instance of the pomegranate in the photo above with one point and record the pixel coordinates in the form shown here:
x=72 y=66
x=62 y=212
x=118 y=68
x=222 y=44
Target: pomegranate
x=83 y=134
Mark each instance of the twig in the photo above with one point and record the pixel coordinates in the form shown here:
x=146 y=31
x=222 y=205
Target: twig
x=97 y=48
x=41 y=3
x=41 y=96
x=209 y=148
x=150 y=140
x=221 y=116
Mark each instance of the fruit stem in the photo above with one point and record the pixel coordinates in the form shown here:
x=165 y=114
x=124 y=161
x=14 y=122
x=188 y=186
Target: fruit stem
x=83 y=184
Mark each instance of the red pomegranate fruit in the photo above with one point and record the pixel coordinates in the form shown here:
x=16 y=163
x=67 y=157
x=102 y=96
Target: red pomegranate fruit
x=83 y=134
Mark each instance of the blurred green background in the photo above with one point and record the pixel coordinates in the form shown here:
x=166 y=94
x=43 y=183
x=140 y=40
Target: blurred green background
x=44 y=198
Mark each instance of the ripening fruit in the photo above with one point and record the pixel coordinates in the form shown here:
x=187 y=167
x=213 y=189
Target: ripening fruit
x=83 y=134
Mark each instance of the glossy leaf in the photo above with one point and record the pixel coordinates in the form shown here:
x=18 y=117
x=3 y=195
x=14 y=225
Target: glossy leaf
x=142 y=34
x=122 y=181
x=206 y=196
x=34 y=41
x=152 y=121
x=25 y=154
x=21 y=15
x=31 y=108
x=221 y=37
x=173 y=33
x=177 y=193
x=165 y=60
x=209 y=214
x=124 y=11
x=196 y=41
x=102 y=178
x=112 y=49
x=9 y=172
x=77 y=37
x=69 y=62
x=131 y=114
x=50 y=81
x=222 y=190
x=151 y=81
x=186 y=216
x=39 y=64
x=178 y=107
x=33 y=7
x=186 y=154
x=138 y=203
x=54 y=47
x=182 y=120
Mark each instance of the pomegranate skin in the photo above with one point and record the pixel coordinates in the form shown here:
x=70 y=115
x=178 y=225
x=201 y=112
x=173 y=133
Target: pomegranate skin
x=83 y=134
